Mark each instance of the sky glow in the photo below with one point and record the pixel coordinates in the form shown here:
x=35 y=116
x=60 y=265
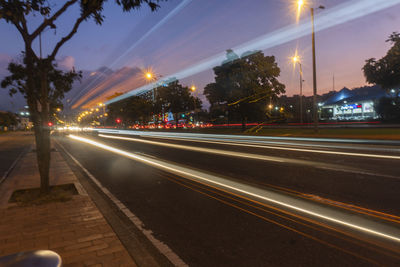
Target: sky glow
x=326 y=19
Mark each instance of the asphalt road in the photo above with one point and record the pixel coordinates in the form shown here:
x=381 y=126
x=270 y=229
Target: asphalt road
x=243 y=201
x=12 y=144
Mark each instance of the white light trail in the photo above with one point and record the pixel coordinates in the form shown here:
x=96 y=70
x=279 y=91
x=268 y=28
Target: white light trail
x=219 y=139
x=141 y=39
x=252 y=137
x=299 y=205
x=198 y=149
x=337 y=15
x=232 y=143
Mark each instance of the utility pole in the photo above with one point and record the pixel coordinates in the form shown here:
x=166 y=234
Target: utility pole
x=301 y=94
x=315 y=107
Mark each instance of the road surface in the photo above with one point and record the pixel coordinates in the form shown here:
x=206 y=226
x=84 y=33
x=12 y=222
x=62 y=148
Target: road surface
x=254 y=201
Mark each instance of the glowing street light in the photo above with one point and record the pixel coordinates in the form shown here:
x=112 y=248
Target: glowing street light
x=296 y=59
x=149 y=75
x=193 y=89
x=300 y=3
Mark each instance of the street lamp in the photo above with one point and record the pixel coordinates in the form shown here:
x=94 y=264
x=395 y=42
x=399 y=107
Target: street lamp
x=193 y=89
x=151 y=77
x=296 y=59
x=300 y=3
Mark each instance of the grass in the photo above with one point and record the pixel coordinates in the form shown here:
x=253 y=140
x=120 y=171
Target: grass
x=33 y=196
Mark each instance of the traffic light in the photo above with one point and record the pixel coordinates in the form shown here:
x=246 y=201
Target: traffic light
x=118 y=120
x=50 y=124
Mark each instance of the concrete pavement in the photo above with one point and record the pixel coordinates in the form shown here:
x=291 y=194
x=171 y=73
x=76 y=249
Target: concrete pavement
x=75 y=229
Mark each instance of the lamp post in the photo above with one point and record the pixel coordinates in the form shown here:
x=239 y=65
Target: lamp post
x=152 y=77
x=193 y=89
x=315 y=107
x=297 y=60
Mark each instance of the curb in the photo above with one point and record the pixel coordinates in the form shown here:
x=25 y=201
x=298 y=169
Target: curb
x=159 y=245
x=8 y=172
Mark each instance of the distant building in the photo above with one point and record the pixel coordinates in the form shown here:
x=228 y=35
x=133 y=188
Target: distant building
x=24 y=119
x=356 y=104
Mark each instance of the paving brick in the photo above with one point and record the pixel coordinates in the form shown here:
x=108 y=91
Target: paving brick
x=78 y=246
x=109 y=250
x=75 y=229
x=94 y=248
x=90 y=238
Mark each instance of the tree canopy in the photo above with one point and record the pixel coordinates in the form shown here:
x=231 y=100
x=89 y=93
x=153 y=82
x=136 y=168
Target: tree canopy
x=37 y=77
x=385 y=71
x=58 y=83
x=176 y=98
x=244 y=84
x=172 y=97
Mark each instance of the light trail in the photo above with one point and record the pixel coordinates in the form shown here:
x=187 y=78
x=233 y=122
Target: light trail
x=361 y=224
x=337 y=15
x=170 y=15
x=198 y=149
x=233 y=142
x=312 y=164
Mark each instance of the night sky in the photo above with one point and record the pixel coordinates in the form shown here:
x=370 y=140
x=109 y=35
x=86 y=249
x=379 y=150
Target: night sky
x=201 y=29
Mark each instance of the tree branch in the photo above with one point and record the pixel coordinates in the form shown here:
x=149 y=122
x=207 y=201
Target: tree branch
x=48 y=22
x=67 y=37
x=20 y=29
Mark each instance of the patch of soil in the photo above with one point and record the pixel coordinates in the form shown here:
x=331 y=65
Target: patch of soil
x=33 y=196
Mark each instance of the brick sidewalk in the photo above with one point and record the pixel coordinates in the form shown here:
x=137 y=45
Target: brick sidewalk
x=75 y=229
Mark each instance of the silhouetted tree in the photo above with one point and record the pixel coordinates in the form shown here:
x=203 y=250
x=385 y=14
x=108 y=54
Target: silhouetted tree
x=176 y=98
x=385 y=71
x=20 y=13
x=245 y=85
x=388 y=109
x=136 y=109
x=8 y=119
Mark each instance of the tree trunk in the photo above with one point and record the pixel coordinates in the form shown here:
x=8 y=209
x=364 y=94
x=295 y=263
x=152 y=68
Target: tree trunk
x=42 y=136
x=40 y=117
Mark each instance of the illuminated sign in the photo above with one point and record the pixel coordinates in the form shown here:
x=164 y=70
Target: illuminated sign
x=351 y=106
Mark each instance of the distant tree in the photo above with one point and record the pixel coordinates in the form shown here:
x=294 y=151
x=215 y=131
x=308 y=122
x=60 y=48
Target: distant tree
x=388 y=109
x=176 y=98
x=245 y=84
x=8 y=119
x=136 y=109
x=385 y=71
x=19 y=13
